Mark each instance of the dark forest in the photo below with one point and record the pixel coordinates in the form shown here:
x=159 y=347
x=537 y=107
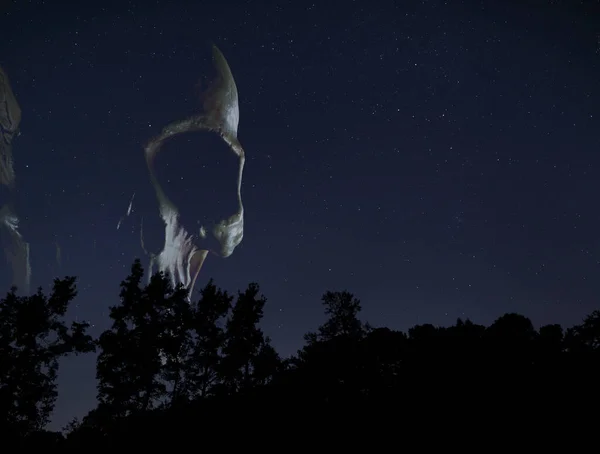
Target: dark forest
x=170 y=371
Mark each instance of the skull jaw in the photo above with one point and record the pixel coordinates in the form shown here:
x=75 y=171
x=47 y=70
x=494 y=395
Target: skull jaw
x=196 y=261
x=179 y=258
x=229 y=234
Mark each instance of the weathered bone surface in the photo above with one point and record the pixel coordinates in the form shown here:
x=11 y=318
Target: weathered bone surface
x=10 y=118
x=183 y=253
x=16 y=249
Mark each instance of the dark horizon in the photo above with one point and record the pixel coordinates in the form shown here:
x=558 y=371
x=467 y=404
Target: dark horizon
x=170 y=363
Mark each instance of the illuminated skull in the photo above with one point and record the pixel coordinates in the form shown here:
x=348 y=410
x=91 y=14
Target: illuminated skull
x=188 y=242
x=15 y=248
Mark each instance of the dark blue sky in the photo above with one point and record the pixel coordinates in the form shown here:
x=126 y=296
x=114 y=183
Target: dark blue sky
x=437 y=160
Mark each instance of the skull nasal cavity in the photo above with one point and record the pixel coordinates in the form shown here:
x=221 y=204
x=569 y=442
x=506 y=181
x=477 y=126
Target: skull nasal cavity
x=199 y=172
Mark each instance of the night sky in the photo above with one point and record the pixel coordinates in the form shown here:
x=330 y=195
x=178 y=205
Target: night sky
x=437 y=159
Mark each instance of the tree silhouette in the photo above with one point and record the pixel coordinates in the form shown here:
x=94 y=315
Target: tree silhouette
x=342 y=309
x=33 y=337
x=550 y=343
x=510 y=341
x=208 y=337
x=143 y=354
x=331 y=364
x=168 y=367
x=248 y=357
x=585 y=338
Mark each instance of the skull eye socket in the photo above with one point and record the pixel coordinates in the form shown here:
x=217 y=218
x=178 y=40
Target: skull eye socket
x=198 y=172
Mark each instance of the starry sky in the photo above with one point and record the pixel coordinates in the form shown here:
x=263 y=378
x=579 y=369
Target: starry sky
x=437 y=159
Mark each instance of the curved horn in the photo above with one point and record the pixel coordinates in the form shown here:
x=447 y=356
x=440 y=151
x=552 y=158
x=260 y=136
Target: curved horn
x=220 y=99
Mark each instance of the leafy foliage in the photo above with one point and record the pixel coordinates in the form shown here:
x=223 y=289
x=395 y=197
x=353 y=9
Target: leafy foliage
x=162 y=350
x=33 y=337
x=145 y=350
x=168 y=366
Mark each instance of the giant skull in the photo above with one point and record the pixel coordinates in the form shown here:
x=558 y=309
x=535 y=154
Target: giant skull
x=15 y=248
x=186 y=245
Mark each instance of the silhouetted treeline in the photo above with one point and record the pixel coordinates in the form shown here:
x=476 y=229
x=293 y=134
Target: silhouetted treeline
x=170 y=369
